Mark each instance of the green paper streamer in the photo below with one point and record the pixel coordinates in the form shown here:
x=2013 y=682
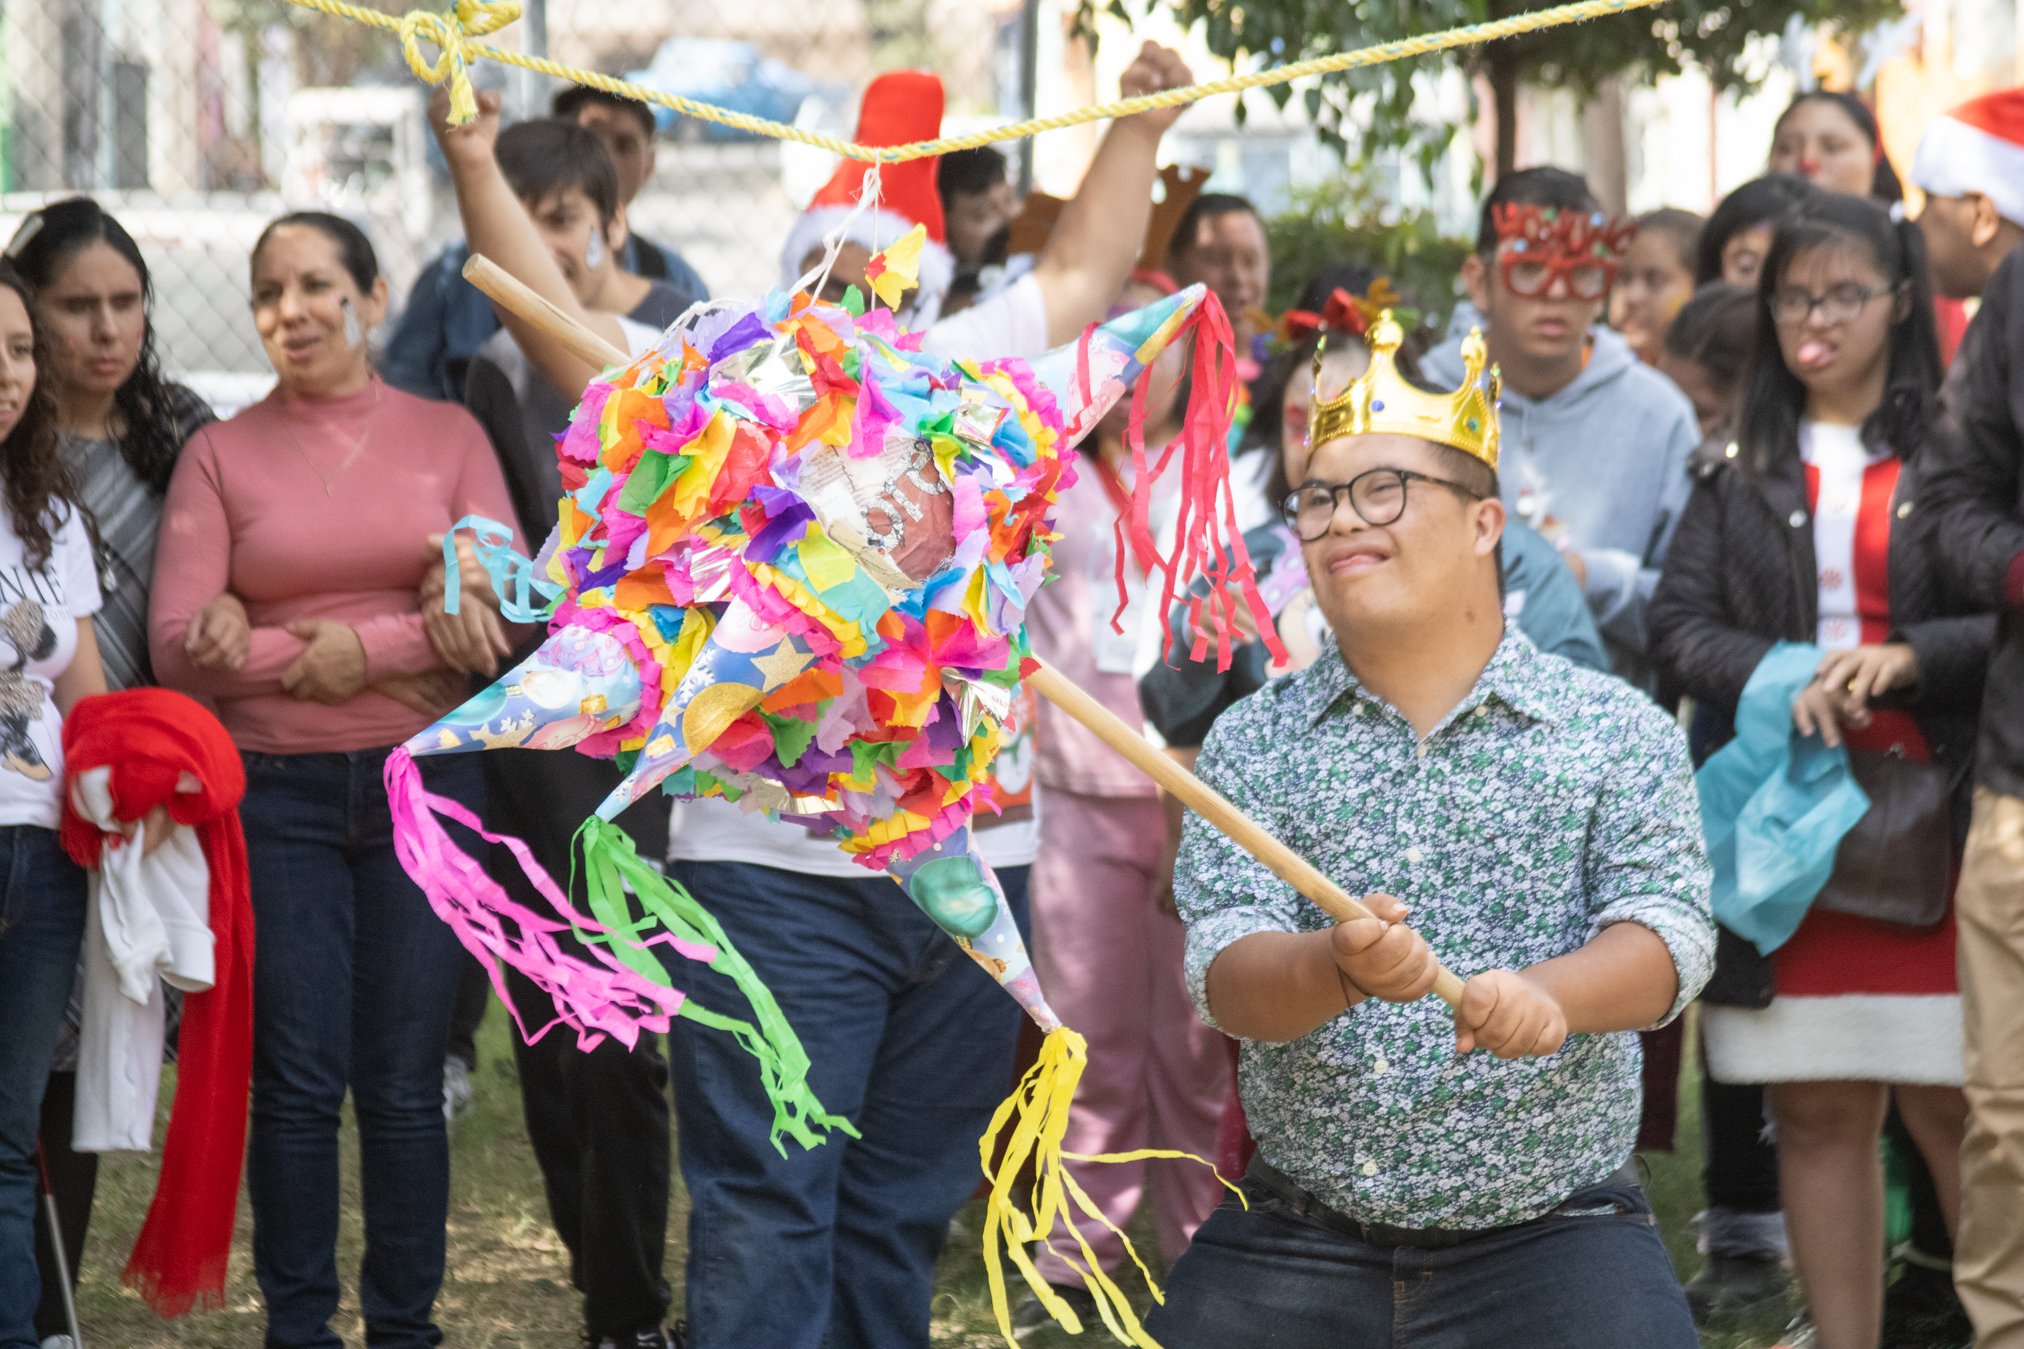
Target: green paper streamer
x=649 y=478
x=611 y=863
x=791 y=736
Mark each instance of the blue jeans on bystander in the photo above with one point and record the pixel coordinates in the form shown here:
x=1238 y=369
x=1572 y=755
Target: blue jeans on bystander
x=41 y=928
x=836 y=1247
x=1590 y=1275
x=353 y=980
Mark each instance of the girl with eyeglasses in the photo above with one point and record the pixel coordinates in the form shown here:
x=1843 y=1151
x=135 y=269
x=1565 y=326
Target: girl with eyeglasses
x=48 y=662
x=120 y=427
x=1806 y=529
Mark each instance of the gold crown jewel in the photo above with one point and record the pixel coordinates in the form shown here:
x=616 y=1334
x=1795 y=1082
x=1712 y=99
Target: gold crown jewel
x=1383 y=401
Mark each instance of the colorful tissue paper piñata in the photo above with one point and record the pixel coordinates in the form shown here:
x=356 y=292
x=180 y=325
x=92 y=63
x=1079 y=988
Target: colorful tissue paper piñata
x=792 y=570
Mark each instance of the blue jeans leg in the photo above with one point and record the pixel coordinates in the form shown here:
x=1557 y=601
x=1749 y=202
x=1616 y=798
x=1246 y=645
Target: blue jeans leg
x=833 y=1247
x=1271 y=1276
x=41 y=928
x=944 y=1064
x=354 y=977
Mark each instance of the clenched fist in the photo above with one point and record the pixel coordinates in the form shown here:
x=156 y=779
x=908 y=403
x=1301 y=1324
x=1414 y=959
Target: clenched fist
x=1509 y=1015
x=1381 y=957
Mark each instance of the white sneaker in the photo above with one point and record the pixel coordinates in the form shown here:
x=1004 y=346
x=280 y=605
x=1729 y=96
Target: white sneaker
x=458 y=1099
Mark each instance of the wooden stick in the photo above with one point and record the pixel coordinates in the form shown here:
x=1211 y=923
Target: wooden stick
x=1281 y=860
x=1205 y=801
x=489 y=277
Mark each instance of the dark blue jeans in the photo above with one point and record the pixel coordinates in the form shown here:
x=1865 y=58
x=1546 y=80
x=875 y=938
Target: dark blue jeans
x=1593 y=1278
x=909 y=1039
x=353 y=979
x=41 y=928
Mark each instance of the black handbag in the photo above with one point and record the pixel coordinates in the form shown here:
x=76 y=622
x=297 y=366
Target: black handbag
x=1897 y=864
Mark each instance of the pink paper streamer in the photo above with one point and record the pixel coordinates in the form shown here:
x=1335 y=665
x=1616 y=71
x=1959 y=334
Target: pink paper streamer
x=605 y=998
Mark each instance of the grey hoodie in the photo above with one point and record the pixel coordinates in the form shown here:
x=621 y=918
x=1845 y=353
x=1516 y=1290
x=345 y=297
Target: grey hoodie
x=1604 y=462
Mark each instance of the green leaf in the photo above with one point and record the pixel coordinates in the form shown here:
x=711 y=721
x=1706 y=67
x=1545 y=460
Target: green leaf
x=1639 y=44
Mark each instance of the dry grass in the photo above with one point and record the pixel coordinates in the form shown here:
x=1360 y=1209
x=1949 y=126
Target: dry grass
x=508 y=1284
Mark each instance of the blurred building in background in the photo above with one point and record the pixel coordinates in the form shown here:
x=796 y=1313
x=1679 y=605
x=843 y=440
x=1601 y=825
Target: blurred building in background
x=196 y=121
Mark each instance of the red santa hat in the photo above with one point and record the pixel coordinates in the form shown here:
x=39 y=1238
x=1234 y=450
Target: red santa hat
x=1977 y=147
x=900 y=107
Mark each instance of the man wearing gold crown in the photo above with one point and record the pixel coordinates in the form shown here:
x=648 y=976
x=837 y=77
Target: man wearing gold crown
x=1444 y=1179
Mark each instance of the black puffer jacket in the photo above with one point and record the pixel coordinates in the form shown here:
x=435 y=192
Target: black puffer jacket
x=1742 y=576
x=1975 y=477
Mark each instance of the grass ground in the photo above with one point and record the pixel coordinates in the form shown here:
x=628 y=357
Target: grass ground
x=508 y=1284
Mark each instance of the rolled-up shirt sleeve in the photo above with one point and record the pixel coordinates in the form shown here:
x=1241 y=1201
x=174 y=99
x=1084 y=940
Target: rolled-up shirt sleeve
x=1223 y=892
x=1647 y=859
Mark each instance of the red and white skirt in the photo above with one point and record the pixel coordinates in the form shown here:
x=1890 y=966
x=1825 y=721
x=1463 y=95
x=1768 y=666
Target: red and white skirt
x=1858 y=1000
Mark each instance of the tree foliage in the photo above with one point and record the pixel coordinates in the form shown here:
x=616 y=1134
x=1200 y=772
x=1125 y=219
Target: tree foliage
x=1374 y=108
x=1350 y=219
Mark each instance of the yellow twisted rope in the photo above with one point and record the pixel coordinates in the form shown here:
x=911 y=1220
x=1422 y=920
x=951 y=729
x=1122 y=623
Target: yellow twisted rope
x=450 y=33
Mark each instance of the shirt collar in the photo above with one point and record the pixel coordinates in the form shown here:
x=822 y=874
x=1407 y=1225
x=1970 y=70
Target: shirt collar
x=1516 y=676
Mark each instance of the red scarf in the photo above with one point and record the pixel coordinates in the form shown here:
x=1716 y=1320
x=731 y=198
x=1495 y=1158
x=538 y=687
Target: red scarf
x=149 y=738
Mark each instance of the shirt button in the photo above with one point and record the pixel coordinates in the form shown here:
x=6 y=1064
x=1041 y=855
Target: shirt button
x=1381 y=1067
x=1904 y=510
x=1421 y=751
x=1370 y=1168
x=1796 y=519
x=1482 y=709
x=1412 y=854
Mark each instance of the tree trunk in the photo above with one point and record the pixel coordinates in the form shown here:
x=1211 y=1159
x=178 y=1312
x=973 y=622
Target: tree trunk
x=1503 y=72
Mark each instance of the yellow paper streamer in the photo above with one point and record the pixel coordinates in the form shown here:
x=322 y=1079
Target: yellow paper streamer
x=1037 y=1111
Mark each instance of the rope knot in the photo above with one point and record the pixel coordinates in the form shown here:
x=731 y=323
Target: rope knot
x=450 y=33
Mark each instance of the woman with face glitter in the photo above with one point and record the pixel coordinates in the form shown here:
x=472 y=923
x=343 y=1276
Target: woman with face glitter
x=316 y=507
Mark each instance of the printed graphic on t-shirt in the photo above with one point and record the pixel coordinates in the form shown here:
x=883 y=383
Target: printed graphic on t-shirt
x=39 y=612
x=24 y=636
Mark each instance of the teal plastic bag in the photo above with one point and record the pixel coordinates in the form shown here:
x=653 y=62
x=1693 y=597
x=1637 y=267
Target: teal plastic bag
x=1774 y=806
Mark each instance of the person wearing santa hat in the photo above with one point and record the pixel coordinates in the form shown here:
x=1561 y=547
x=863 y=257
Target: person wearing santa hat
x=1090 y=250
x=1970 y=164
x=836 y=1249
x=900 y=106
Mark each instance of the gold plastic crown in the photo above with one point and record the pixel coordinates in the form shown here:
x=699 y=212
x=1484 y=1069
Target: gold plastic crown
x=1383 y=401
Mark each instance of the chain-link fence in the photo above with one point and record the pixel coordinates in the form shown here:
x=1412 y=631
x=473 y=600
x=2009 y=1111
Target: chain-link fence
x=197 y=121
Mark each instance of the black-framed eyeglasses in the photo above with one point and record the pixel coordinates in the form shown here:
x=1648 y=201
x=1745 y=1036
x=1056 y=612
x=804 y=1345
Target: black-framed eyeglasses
x=1378 y=496
x=1843 y=301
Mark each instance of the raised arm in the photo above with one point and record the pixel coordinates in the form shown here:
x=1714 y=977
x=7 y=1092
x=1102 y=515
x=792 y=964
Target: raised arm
x=497 y=225
x=1103 y=227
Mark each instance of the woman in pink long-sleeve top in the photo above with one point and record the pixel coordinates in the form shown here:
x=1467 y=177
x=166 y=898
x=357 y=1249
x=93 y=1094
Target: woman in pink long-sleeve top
x=292 y=554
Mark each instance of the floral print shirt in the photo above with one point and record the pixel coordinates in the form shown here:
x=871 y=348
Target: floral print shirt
x=1550 y=803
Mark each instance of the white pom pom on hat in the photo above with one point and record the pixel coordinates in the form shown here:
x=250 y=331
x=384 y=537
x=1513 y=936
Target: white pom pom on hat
x=900 y=107
x=1977 y=147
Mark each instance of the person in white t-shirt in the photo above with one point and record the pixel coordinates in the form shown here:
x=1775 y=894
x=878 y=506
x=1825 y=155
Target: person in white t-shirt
x=837 y=1247
x=598 y=1119
x=48 y=661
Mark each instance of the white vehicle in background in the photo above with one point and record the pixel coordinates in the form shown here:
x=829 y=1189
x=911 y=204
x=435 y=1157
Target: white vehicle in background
x=363 y=153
